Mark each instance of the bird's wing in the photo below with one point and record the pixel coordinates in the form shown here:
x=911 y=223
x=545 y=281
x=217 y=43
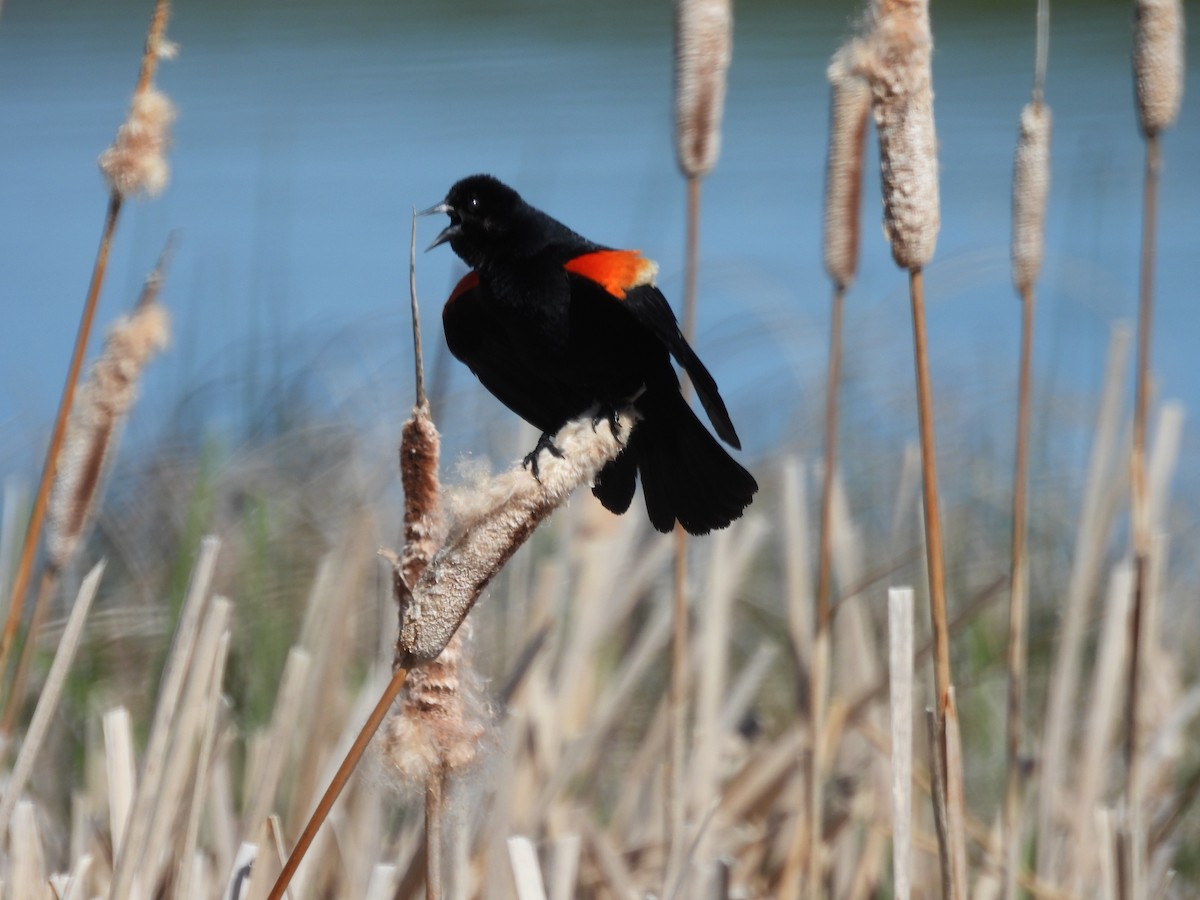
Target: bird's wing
x=476 y=337
x=628 y=277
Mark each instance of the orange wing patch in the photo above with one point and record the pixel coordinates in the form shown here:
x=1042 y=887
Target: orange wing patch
x=617 y=271
x=468 y=282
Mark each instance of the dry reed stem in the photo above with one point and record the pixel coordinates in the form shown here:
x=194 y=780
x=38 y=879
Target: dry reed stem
x=937 y=792
x=155 y=47
x=527 y=875
x=955 y=797
x=50 y=694
x=491 y=522
x=849 y=106
x=1158 y=63
x=1105 y=479
x=195 y=603
x=703 y=49
x=900 y=670
x=1017 y=610
x=27 y=875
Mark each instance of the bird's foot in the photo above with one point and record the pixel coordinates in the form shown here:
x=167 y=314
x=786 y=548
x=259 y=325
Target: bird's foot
x=612 y=415
x=545 y=442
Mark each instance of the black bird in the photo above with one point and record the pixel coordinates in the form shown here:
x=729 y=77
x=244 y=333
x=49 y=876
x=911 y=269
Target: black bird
x=556 y=326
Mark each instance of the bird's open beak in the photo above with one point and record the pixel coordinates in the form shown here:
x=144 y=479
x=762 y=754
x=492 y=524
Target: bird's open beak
x=451 y=230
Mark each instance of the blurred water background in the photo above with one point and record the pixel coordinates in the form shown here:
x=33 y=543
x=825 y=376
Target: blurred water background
x=308 y=131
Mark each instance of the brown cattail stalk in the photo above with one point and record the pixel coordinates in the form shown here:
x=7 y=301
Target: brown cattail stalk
x=894 y=57
x=703 y=49
x=156 y=46
x=1031 y=185
x=850 y=103
x=1158 y=78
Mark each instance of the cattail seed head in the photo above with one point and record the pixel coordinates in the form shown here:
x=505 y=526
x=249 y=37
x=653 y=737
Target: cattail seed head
x=1031 y=186
x=441 y=717
x=703 y=48
x=488 y=523
x=1158 y=69
x=99 y=411
x=850 y=103
x=136 y=163
x=895 y=58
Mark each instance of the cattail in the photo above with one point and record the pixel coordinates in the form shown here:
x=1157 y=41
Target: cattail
x=850 y=102
x=136 y=163
x=489 y=523
x=441 y=717
x=1158 y=69
x=895 y=58
x=420 y=447
x=1031 y=185
x=96 y=419
x=703 y=48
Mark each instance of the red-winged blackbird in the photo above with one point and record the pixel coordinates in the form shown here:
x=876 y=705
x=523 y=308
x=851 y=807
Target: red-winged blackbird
x=556 y=326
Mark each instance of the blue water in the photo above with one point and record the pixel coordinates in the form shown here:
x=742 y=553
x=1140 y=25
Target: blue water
x=308 y=131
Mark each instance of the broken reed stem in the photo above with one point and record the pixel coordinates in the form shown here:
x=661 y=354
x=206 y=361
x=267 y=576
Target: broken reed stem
x=37 y=516
x=1139 y=502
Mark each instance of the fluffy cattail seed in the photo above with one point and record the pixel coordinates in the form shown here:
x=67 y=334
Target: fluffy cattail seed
x=850 y=103
x=96 y=419
x=489 y=522
x=703 y=48
x=136 y=163
x=895 y=59
x=441 y=717
x=1031 y=186
x=1158 y=62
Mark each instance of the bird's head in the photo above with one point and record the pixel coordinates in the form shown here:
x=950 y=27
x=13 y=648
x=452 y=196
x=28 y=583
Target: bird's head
x=483 y=212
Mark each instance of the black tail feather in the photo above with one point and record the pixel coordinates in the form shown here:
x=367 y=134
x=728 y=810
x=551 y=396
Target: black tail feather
x=686 y=474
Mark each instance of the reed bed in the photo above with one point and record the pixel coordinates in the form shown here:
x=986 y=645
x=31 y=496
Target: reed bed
x=230 y=745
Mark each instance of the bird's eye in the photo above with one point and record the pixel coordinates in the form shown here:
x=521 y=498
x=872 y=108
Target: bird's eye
x=473 y=204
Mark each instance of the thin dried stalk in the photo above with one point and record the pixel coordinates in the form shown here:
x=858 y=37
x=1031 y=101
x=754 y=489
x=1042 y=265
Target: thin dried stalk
x=1104 y=482
x=1158 y=63
x=703 y=49
x=129 y=862
x=48 y=699
x=526 y=873
x=900 y=669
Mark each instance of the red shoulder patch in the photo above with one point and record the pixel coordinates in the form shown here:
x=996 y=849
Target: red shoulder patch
x=468 y=282
x=617 y=271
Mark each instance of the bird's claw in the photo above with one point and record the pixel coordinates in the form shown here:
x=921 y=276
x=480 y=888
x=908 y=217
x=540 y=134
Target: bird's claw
x=611 y=415
x=545 y=442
